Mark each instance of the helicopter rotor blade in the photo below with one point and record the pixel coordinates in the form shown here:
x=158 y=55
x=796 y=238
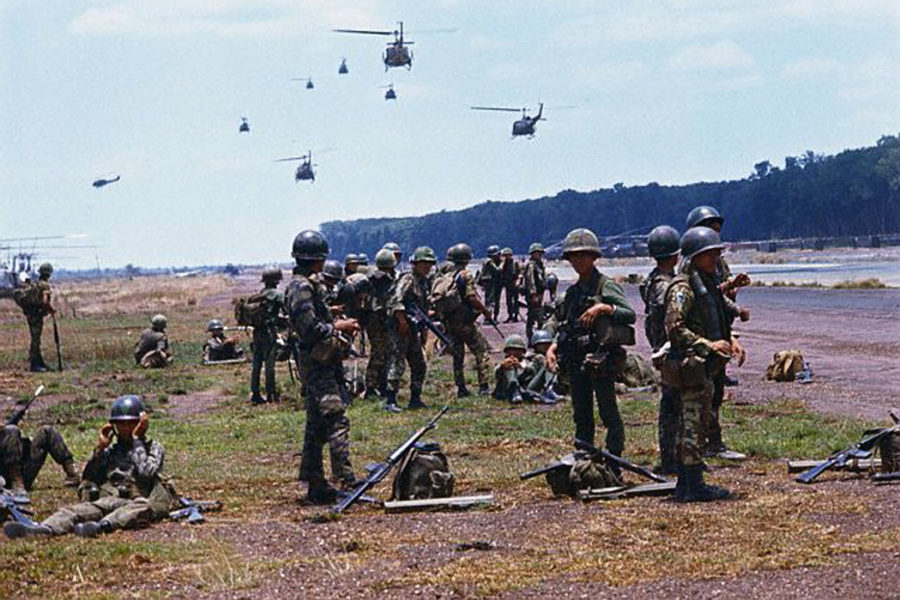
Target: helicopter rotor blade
x=498 y=108
x=287 y=159
x=365 y=31
x=430 y=31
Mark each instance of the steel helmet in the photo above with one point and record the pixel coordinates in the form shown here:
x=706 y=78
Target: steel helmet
x=460 y=253
x=703 y=215
x=699 y=239
x=362 y=258
x=271 y=274
x=385 y=259
x=541 y=336
x=581 y=240
x=423 y=254
x=310 y=245
x=351 y=259
x=663 y=242
x=493 y=250
x=515 y=341
x=215 y=325
x=158 y=322
x=552 y=281
x=506 y=252
x=333 y=270
x=393 y=247
x=45 y=269
x=535 y=247
x=126 y=408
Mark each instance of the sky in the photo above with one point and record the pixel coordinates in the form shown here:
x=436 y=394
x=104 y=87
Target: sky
x=635 y=91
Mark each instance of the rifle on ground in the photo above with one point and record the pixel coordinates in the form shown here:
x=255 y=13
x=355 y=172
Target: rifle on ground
x=419 y=317
x=381 y=470
x=621 y=462
x=19 y=414
x=861 y=449
x=546 y=393
x=193 y=510
x=886 y=477
x=56 y=341
x=14 y=506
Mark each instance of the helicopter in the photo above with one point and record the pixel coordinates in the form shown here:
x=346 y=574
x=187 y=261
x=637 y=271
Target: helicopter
x=99 y=183
x=343 y=69
x=390 y=94
x=245 y=126
x=523 y=126
x=397 y=53
x=308 y=80
x=304 y=169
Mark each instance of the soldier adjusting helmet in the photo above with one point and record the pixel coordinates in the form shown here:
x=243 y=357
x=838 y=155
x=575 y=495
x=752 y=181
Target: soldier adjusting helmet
x=158 y=322
x=423 y=254
x=460 y=253
x=271 y=274
x=45 y=269
x=663 y=242
x=215 y=325
x=515 y=342
x=385 y=259
x=699 y=239
x=127 y=408
x=310 y=245
x=333 y=270
x=541 y=336
x=703 y=215
x=535 y=247
x=581 y=240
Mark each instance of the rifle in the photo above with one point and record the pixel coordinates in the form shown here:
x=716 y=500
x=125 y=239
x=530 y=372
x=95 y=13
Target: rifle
x=19 y=414
x=546 y=393
x=860 y=449
x=621 y=462
x=804 y=376
x=193 y=510
x=381 y=470
x=13 y=505
x=886 y=477
x=493 y=324
x=566 y=461
x=56 y=341
x=420 y=317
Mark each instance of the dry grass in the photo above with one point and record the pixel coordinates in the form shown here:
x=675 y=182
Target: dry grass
x=873 y=283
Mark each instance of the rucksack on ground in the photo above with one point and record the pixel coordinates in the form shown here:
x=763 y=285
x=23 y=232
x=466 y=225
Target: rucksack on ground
x=423 y=473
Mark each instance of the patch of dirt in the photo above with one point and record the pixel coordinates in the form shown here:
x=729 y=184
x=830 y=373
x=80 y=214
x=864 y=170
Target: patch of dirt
x=197 y=403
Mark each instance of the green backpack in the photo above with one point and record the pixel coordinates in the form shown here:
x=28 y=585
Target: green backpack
x=251 y=312
x=29 y=297
x=445 y=296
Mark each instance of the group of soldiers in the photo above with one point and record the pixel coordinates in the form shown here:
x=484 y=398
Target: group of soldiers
x=574 y=341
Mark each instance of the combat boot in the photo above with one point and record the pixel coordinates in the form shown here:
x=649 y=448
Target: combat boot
x=516 y=397
x=462 y=392
x=38 y=367
x=91 y=529
x=390 y=402
x=15 y=530
x=694 y=490
x=256 y=400
x=371 y=394
x=16 y=484
x=72 y=476
x=322 y=494
x=415 y=401
x=484 y=390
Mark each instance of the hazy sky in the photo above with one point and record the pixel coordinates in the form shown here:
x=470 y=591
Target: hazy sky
x=670 y=91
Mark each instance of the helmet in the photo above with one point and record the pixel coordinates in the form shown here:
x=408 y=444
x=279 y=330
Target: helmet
x=362 y=258
x=385 y=259
x=158 y=322
x=493 y=250
x=535 y=247
x=541 y=336
x=702 y=215
x=423 y=254
x=215 y=325
x=581 y=240
x=310 y=245
x=552 y=281
x=45 y=269
x=460 y=253
x=663 y=242
x=506 y=252
x=393 y=247
x=126 y=408
x=699 y=239
x=515 y=341
x=351 y=259
x=271 y=274
x=333 y=270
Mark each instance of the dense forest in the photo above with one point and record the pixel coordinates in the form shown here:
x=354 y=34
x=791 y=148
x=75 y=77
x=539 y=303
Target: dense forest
x=856 y=192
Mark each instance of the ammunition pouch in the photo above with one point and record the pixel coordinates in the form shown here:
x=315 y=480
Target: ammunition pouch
x=607 y=333
x=680 y=373
x=331 y=350
x=605 y=363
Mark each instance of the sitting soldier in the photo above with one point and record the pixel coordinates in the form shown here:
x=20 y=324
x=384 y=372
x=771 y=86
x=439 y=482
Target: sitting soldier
x=123 y=485
x=523 y=374
x=218 y=347
x=21 y=457
x=152 y=349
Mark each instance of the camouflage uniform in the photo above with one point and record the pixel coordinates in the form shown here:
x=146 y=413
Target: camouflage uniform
x=464 y=332
x=653 y=292
x=509 y=381
x=692 y=325
x=510 y=270
x=218 y=347
x=264 y=342
x=21 y=458
x=152 y=349
x=410 y=289
x=377 y=330
x=132 y=491
x=585 y=384
x=326 y=419
x=34 y=316
x=534 y=286
x=490 y=280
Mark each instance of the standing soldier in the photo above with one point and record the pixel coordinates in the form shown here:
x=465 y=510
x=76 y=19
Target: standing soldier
x=331 y=277
x=460 y=323
x=34 y=300
x=490 y=281
x=411 y=293
x=152 y=348
x=265 y=336
x=382 y=280
x=363 y=260
x=321 y=349
x=591 y=363
x=699 y=330
x=510 y=272
x=534 y=288
x=398 y=253
x=663 y=244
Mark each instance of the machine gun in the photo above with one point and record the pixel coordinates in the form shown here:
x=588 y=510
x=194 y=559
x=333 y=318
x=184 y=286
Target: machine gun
x=14 y=506
x=380 y=471
x=193 y=510
x=419 y=318
x=19 y=414
x=861 y=449
x=620 y=462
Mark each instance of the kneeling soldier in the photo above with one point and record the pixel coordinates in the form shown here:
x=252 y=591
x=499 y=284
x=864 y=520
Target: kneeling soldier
x=152 y=349
x=219 y=347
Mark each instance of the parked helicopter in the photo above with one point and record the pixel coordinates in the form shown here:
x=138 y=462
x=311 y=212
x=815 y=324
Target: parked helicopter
x=245 y=126
x=523 y=126
x=343 y=69
x=99 y=183
x=304 y=170
x=308 y=80
x=397 y=53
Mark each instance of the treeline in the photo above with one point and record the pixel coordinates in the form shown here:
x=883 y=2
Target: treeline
x=856 y=192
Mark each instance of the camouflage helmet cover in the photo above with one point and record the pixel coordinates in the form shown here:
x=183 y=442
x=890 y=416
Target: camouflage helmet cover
x=385 y=259
x=423 y=254
x=515 y=341
x=158 y=322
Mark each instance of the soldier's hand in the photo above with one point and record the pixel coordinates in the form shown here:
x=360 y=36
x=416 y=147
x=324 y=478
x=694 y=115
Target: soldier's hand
x=587 y=318
x=486 y=312
x=141 y=428
x=105 y=437
x=741 y=280
x=738 y=351
x=723 y=347
x=403 y=327
x=745 y=315
x=510 y=362
x=350 y=326
x=551 y=357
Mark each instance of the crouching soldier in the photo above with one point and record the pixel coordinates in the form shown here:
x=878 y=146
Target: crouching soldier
x=219 y=347
x=152 y=349
x=21 y=458
x=123 y=486
x=523 y=374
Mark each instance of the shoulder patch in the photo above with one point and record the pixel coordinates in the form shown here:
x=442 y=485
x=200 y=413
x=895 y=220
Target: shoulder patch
x=680 y=297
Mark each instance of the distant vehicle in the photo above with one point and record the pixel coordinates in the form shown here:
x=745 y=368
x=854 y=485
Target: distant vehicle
x=99 y=183
x=343 y=70
x=304 y=170
x=308 y=80
x=397 y=53
x=245 y=126
x=525 y=125
x=390 y=94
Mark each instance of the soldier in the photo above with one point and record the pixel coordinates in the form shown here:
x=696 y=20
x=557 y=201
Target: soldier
x=411 y=290
x=490 y=281
x=663 y=245
x=460 y=323
x=591 y=367
x=351 y=262
x=534 y=288
x=218 y=346
x=21 y=457
x=331 y=277
x=265 y=337
x=707 y=216
x=698 y=328
x=448 y=265
x=363 y=260
x=549 y=307
x=152 y=349
x=123 y=485
x=34 y=299
x=398 y=253
x=523 y=373
x=383 y=280
x=321 y=348
x=510 y=271
x=510 y=371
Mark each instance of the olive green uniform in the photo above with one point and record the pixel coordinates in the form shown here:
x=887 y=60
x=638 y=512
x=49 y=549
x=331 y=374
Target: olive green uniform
x=264 y=342
x=377 y=330
x=491 y=281
x=34 y=316
x=219 y=347
x=410 y=289
x=21 y=458
x=464 y=332
x=152 y=349
x=535 y=276
x=510 y=271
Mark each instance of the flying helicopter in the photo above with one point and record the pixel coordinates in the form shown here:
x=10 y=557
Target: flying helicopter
x=390 y=94
x=343 y=69
x=245 y=126
x=397 y=53
x=99 y=183
x=308 y=80
x=304 y=170
x=523 y=126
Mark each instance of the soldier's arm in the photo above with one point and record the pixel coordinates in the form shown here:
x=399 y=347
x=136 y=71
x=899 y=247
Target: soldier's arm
x=395 y=301
x=469 y=293
x=96 y=467
x=147 y=462
x=309 y=329
x=162 y=343
x=679 y=302
x=614 y=295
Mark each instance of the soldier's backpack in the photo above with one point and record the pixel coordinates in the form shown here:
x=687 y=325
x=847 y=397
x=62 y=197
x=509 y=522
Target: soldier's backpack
x=423 y=473
x=889 y=449
x=785 y=365
x=29 y=297
x=251 y=312
x=578 y=471
x=445 y=296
